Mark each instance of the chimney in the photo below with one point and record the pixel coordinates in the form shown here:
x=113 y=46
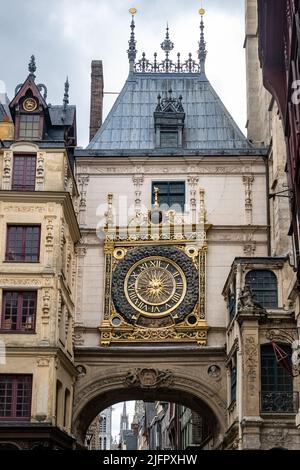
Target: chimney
x=97 y=85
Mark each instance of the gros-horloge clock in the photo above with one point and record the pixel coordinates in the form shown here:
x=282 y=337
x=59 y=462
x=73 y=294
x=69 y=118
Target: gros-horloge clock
x=155 y=286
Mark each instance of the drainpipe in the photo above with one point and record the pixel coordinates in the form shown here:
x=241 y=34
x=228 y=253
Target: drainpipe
x=266 y=158
x=239 y=359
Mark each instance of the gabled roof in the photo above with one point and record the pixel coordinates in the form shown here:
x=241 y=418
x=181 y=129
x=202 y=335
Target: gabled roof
x=130 y=123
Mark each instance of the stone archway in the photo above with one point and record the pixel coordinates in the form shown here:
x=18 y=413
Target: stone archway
x=95 y=393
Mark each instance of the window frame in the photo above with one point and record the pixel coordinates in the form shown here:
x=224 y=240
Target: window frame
x=16 y=379
x=24 y=226
x=280 y=382
x=233 y=384
x=23 y=186
x=169 y=194
x=38 y=129
x=19 y=316
x=257 y=291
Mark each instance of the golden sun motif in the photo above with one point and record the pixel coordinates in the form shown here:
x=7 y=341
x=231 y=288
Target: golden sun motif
x=155 y=286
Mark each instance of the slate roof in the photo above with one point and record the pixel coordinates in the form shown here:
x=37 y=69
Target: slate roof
x=56 y=114
x=130 y=123
x=4 y=111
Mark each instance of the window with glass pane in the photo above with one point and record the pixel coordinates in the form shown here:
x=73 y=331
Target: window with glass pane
x=24 y=168
x=171 y=194
x=19 y=311
x=276 y=383
x=263 y=285
x=15 y=397
x=23 y=243
x=233 y=383
x=29 y=126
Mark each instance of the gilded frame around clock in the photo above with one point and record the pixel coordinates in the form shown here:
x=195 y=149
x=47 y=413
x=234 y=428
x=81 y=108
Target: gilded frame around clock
x=190 y=325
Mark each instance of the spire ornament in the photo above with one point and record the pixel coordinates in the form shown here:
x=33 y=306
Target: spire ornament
x=32 y=67
x=66 y=94
x=65 y=99
x=132 y=42
x=202 y=52
x=167 y=46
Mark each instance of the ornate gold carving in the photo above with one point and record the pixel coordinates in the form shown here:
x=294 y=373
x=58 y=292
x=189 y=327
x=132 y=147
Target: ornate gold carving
x=130 y=334
x=155 y=328
x=191 y=251
x=30 y=104
x=119 y=253
x=149 y=378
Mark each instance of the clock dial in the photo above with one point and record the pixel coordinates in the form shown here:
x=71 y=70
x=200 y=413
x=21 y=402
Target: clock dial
x=155 y=286
x=30 y=104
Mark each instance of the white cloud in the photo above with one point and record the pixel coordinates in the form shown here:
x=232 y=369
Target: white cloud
x=66 y=35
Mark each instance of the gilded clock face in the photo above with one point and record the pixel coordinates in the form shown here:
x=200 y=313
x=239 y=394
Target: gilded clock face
x=155 y=286
x=30 y=104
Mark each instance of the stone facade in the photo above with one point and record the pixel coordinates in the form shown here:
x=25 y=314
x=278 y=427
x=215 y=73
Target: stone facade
x=45 y=351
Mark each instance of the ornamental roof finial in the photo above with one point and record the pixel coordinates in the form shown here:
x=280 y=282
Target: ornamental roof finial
x=202 y=52
x=32 y=67
x=66 y=94
x=167 y=45
x=132 y=42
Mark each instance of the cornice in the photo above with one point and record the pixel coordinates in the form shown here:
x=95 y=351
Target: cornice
x=181 y=352
x=43 y=197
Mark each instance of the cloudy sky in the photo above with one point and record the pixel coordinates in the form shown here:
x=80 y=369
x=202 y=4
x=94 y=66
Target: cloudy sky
x=65 y=35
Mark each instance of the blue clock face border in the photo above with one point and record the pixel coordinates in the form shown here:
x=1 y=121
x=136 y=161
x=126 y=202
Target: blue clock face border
x=154 y=282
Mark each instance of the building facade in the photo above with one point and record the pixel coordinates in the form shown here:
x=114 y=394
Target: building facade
x=38 y=234
x=182 y=249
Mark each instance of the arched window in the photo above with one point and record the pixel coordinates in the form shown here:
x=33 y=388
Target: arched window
x=263 y=285
x=276 y=383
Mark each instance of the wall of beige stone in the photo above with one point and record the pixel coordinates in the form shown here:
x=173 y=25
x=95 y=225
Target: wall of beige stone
x=238 y=229
x=44 y=354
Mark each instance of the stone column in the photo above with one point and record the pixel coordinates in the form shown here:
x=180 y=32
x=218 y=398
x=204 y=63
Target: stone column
x=251 y=420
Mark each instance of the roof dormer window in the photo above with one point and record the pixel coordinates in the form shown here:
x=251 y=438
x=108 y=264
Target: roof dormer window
x=169 y=119
x=29 y=127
